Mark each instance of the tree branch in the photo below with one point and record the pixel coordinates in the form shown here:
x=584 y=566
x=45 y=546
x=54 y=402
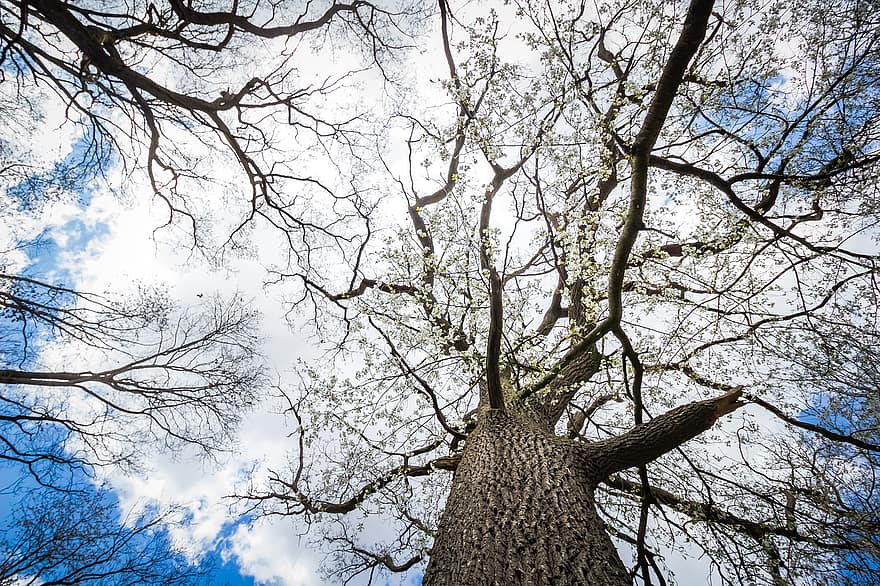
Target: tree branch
x=305 y=504
x=712 y=513
x=647 y=442
x=826 y=433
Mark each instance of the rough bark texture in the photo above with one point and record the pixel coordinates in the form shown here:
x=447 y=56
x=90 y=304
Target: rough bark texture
x=521 y=511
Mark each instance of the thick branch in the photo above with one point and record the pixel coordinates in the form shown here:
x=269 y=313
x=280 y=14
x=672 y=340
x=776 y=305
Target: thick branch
x=555 y=311
x=496 y=308
x=554 y=401
x=60 y=17
x=186 y=13
x=647 y=442
x=373 y=284
x=689 y=40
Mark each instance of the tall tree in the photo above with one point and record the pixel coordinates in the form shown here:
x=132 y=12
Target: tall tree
x=605 y=229
x=621 y=208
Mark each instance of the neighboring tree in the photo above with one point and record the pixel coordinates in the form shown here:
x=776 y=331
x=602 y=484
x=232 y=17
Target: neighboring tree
x=94 y=379
x=621 y=208
x=80 y=538
x=170 y=89
x=146 y=374
x=155 y=94
x=157 y=90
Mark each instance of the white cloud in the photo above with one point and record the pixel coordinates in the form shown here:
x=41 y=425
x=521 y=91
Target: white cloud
x=272 y=553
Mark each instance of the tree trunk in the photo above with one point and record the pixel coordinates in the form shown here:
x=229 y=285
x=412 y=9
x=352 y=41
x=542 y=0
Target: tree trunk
x=521 y=511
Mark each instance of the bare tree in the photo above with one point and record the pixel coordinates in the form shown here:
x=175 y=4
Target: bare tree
x=169 y=86
x=176 y=377
x=156 y=90
x=620 y=209
x=79 y=538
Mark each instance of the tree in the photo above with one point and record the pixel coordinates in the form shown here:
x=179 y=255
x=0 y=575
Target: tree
x=690 y=225
x=690 y=221
x=62 y=538
x=166 y=376
x=148 y=92
x=169 y=88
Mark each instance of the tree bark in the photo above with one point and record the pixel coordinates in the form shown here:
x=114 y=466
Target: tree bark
x=521 y=511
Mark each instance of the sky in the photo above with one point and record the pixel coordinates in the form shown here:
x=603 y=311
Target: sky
x=95 y=241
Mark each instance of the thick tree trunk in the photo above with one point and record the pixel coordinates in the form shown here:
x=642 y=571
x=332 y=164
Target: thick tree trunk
x=521 y=511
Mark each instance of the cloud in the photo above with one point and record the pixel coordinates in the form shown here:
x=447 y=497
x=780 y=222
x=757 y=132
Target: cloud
x=273 y=554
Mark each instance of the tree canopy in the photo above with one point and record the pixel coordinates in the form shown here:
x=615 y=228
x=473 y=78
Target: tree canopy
x=639 y=238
